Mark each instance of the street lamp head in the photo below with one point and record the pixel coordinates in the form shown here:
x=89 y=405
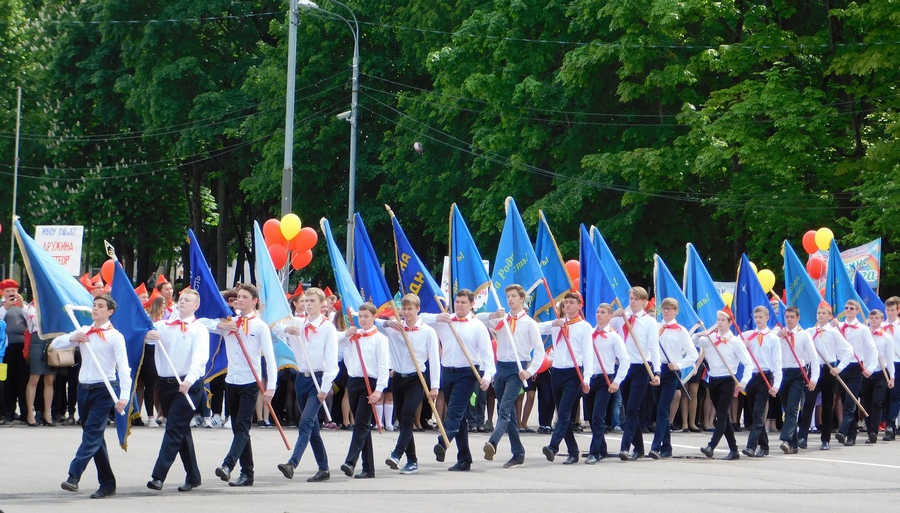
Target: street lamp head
x=307 y=4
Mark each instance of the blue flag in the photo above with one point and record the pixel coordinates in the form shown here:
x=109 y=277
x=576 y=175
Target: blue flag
x=53 y=288
x=350 y=298
x=4 y=342
x=619 y=281
x=553 y=267
x=748 y=294
x=700 y=290
x=466 y=267
x=801 y=291
x=839 y=287
x=367 y=269
x=778 y=320
x=273 y=304
x=516 y=262
x=414 y=276
x=869 y=298
x=218 y=359
x=596 y=286
x=212 y=304
x=665 y=286
x=132 y=322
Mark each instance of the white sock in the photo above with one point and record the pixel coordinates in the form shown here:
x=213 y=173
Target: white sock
x=389 y=414
x=379 y=410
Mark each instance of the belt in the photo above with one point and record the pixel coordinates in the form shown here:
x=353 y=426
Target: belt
x=459 y=369
x=318 y=374
x=170 y=380
x=402 y=375
x=718 y=378
x=91 y=386
x=601 y=375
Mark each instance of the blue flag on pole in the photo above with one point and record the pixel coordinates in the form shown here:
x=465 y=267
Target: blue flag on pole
x=516 y=261
x=132 y=322
x=619 y=281
x=553 y=267
x=415 y=278
x=801 y=291
x=367 y=270
x=350 y=298
x=748 y=294
x=700 y=290
x=53 y=288
x=596 y=286
x=779 y=316
x=466 y=266
x=869 y=298
x=273 y=304
x=665 y=286
x=839 y=287
x=212 y=306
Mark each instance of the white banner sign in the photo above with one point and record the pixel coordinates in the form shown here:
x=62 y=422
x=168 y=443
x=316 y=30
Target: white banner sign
x=62 y=243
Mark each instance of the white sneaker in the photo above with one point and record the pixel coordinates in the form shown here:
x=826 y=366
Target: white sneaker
x=152 y=423
x=216 y=421
x=161 y=421
x=207 y=422
x=195 y=421
x=227 y=424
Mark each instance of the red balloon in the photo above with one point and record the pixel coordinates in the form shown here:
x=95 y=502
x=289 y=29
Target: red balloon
x=306 y=239
x=108 y=270
x=545 y=364
x=301 y=259
x=573 y=267
x=279 y=255
x=816 y=267
x=822 y=292
x=272 y=233
x=809 y=242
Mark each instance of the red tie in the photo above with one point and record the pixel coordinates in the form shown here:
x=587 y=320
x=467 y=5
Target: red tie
x=890 y=327
x=184 y=325
x=97 y=331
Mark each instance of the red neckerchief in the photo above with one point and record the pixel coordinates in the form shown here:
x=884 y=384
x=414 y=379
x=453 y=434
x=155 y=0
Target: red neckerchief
x=759 y=337
x=309 y=326
x=510 y=321
x=176 y=322
x=98 y=331
x=245 y=323
x=601 y=333
x=720 y=340
x=847 y=325
x=360 y=334
x=407 y=327
x=459 y=319
x=673 y=326
x=629 y=325
x=819 y=331
x=564 y=331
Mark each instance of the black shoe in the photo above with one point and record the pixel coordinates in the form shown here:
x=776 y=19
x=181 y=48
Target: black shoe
x=873 y=438
x=801 y=443
x=850 y=443
x=244 y=480
x=287 y=469
x=103 y=493
x=654 y=455
x=462 y=466
x=155 y=484
x=785 y=447
x=572 y=458
x=840 y=437
x=224 y=473
x=137 y=423
x=749 y=453
x=636 y=456
x=439 y=452
x=364 y=475
x=591 y=460
x=760 y=452
x=322 y=475
x=707 y=451
x=732 y=455
x=70 y=484
x=825 y=446
x=347 y=469
x=665 y=454
x=515 y=461
x=186 y=487
x=549 y=453
x=489 y=451
x=624 y=456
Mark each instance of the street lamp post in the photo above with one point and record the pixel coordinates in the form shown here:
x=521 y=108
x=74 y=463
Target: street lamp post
x=354 y=119
x=287 y=174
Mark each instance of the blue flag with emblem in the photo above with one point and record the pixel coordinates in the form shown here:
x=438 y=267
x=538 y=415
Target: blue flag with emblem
x=619 y=281
x=700 y=290
x=839 y=287
x=553 y=267
x=415 y=278
x=273 y=305
x=868 y=296
x=665 y=286
x=516 y=261
x=466 y=266
x=53 y=288
x=801 y=291
x=596 y=287
x=212 y=306
x=367 y=272
x=748 y=294
x=350 y=298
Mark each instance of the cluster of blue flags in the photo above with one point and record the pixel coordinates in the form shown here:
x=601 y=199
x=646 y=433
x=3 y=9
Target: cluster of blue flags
x=351 y=300
x=611 y=265
x=415 y=278
x=700 y=290
x=839 y=287
x=466 y=266
x=553 y=267
x=801 y=291
x=664 y=285
x=516 y=261
x=748 y=294
x=596 y=286
x=367 y=271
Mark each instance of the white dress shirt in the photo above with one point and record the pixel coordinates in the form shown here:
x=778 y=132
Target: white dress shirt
x=765 y=346
x=579 y=336
x=109 y=347
x=831 y=345
x=643 y=327
x=320 y=339
x=677 y=343
x=806 y=352
x=526 y=345
x=860 y=339
x=375 y=353
x=425 y=345
x=893 y=330
x=474 y=335
x=885 y=346
x=733 y=352
x=609 y=345
x=258 y=341
x=187 y=346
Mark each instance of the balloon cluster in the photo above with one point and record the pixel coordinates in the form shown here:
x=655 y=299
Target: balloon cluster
x=573 y=268
x=288 y=241
x=813 y=241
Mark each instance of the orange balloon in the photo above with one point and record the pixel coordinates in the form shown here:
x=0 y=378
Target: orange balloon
x=544 y=365
x=108 y=270
x=816 y=267
x=822 y=291
x=301 y=259
x=306 y=239
x=573 y=267
x=272 y=233
x=809 y=242
x=279 y=255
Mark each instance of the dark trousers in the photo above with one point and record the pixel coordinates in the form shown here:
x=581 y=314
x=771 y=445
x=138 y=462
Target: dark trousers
x=458 y=384
x=94 y=405
x=872 y=399
x=758 y=399
x=545 y=404
x=17 y=372
x=721 y=392
x=893 y=408
x=792 y=387
x=599 y=397
x=633 y=389
x=149 y=378
x=65 y=389
x=177 y=439
x=508 y=386
x=217 y=396
x=853 y=378
x=566 y=392
x=241 y=404
x=361 y=439
x=408 y=394
x=665 y=392
x=825 y=386
x=308 y=427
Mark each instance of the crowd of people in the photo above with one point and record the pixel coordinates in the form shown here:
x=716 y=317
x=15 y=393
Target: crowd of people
x=625 y=372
